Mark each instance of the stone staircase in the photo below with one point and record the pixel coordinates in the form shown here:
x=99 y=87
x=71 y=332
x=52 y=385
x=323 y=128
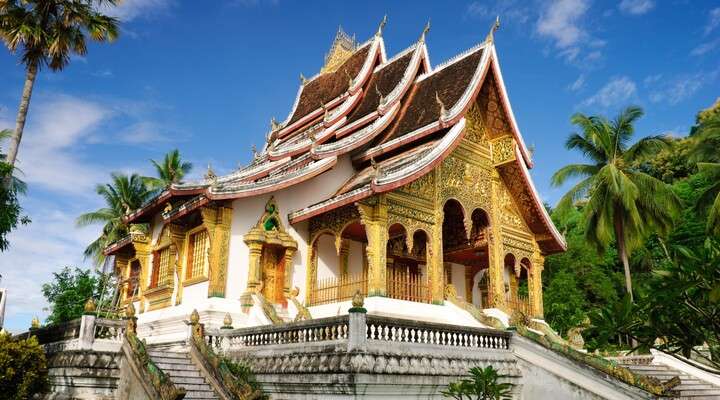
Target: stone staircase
x=690 y=388
x=176 y=362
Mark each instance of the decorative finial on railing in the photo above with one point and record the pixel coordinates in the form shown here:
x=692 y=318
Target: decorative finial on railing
x=490 y=38
x=358 y=303
x=131 y=327
x=227 y=322
x=381 y=26
x=35 y=323
x=194 y=317
x=425 y=31
x=89 y=307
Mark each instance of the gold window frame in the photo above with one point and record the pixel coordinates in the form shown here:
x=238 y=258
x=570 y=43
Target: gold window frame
x=203 y=276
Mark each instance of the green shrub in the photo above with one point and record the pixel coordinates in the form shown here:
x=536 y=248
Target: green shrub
x=23 y=368
x=481 y=385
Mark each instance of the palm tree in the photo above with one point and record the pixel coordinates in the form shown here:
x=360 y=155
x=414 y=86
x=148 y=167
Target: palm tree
x=620 y=202
x=171 y=170
x=47 y=33
x=126 y=193
x=705 y=151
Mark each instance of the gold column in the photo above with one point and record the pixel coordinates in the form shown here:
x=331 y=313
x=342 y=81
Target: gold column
x=435 y=264
x=177 y=237
x=374 y=217
x=142 y=253
x=469 y=274
x=254 y=241
x=535 y=285
x=289 y=254
x=122 y=271
x=344 y=257
x=495 y=256
x=311 y=271
x=218 y=221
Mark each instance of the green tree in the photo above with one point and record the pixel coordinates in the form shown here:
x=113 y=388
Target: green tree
x=679 y=307
x=23 y=368
x=707 y=152
x=481 y=385
x=46 y=33
x=621 y=202
x=126 y=193
x=69 y=291
x=171 y=170
x=10 y=209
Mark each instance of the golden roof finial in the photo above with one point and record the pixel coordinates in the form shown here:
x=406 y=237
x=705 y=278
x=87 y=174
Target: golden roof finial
x=303 y=79
x=274 y=124
x=425 y=31
x=381 y=26
x=490 y=38
x=210 y=174
x=35 y=323
x=254 y=151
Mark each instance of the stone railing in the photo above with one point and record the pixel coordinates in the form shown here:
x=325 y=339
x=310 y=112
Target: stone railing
x=215 y=367
x=632 y=360
x=359 y=329
x=85 y=333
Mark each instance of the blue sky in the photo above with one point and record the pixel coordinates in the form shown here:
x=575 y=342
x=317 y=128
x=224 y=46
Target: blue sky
x=206 y=77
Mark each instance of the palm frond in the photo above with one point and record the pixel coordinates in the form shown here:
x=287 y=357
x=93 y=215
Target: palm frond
x=646 y=147
x=571 y=171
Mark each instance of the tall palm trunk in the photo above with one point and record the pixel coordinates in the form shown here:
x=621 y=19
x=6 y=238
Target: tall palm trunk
x=22 y=113
x=622 y=250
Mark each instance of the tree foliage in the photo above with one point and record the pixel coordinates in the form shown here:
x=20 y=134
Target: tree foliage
x=23 y=368
x=621 y=203
x=171 y=170
x=69 y=291
x=10 y=209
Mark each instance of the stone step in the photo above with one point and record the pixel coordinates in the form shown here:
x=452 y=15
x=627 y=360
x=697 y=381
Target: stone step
x=182 y=373
x=167 y=360
x=188 y=380
x=167 y=354
x=201 y=395
x=180 y=367
x=701 y=392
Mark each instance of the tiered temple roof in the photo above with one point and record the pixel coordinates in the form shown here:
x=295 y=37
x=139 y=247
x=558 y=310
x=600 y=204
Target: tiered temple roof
x=396 y=118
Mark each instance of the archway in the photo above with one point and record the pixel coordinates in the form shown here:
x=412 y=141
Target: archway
x=406 y=265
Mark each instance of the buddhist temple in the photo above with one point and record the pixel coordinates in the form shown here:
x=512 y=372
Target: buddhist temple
x=391 y=177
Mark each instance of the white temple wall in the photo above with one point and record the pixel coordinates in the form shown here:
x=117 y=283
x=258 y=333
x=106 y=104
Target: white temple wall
x=458 y=278
x=477 y=296
x=247 y=211
x=355 y=258
x=196 y=293
x=328 y=259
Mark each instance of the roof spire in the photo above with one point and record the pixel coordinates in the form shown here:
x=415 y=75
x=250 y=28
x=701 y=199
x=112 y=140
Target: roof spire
x=426 y=29
x=490 y=38
x=274 y=124
x=303 y=79
x=210 y=174
x=254 y=151
x=381 y=26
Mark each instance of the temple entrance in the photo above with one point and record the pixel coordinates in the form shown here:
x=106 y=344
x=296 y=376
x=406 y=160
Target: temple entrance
x=406 y=269
x=273 y=274
x=465 y=252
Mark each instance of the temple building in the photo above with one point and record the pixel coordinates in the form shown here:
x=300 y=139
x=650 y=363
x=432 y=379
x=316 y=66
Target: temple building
x=404 y=181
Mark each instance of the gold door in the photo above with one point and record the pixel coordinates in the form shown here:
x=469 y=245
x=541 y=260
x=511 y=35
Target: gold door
x=273 y=272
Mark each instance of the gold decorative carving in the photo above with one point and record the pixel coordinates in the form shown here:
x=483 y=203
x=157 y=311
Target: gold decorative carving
x=374 y=216
x=503 y=149
x=474 y=126
x=423 y=187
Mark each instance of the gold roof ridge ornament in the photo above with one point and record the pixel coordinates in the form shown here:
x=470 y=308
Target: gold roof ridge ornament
x=342 y=48
x=425 y=31
x=303 y=79
x=210 y=175
x=443 y=111
x=381 y=26
x=490 y=38
x=274 y=125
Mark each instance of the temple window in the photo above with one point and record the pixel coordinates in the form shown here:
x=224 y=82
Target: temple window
x=161 y=267
x=197 y=254
x=133 y=279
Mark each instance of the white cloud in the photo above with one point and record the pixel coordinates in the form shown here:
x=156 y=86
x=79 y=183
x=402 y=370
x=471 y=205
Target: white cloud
x=636 y=7
x=713 y=20
x=578 y=84
x=512 y=11
x=673 y=91
x=128 y=10
x=651 y=79
x=705 y=47
x=616 y=92
x=560 y=20
x=144 y=132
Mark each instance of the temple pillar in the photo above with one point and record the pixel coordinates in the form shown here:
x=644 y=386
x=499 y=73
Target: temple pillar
x=254 y=241
x=374 y=217
x=141 y=244
x=535 y=286
x=288 y=257
x=469 y=275
x=496 y=282
x=218 y=221
x=344 y=257
x=311 y=271
x=435 y=264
